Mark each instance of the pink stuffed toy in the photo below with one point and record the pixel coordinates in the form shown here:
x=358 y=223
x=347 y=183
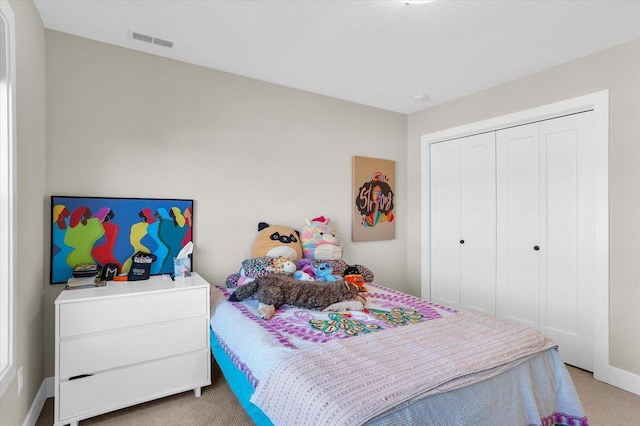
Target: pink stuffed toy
x=319 y=240
x=320 y=244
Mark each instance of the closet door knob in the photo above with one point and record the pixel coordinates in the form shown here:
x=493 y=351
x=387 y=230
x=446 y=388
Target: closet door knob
x=536 y=248
x=461 y=241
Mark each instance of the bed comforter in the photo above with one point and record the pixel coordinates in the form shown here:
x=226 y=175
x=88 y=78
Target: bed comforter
x=391 y=361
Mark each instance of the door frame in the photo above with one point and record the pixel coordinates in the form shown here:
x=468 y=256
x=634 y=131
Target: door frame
x=598 y=102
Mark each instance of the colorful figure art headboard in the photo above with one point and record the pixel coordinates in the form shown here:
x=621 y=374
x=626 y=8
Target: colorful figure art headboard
x=111 y=230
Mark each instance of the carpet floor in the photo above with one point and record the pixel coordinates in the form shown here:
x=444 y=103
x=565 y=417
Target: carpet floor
x=604 y=405
x=216 y=406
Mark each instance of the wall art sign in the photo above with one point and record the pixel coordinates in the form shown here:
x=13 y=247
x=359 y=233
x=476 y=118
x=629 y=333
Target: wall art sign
x=373 y=199
x=105 y=230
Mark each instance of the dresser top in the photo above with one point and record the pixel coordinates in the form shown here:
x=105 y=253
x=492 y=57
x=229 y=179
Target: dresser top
x=155 y=283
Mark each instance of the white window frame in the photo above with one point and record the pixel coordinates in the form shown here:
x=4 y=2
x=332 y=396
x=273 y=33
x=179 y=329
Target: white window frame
x=8 y=195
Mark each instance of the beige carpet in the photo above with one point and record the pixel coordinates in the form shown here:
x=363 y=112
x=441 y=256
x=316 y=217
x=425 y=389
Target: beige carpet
x=604 y=405
x=217 y=406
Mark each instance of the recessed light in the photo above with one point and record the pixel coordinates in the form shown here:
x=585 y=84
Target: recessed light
x=414 y=2
x=420 y=97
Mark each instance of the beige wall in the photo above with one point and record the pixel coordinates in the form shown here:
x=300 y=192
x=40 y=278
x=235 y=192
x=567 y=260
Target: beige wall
x=30 y=96
x=616 y=70
x=125 y=123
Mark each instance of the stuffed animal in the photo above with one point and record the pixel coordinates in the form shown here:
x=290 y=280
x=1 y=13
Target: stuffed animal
x=242 y=281
x=272 y=241
x=282 y=265
x=250 y=268
x=353 y=276
x=324 y=272
x=306 y=265
x=349 y=305
x=321 y=244
x=302 y=276
x=319 y=240
x=275 y=290
x=259 y=266
x=276 y=240
x=233 y=280
x=339 y=268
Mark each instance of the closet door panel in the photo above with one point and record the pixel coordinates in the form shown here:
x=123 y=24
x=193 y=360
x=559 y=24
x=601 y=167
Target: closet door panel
x=559 y=228
x=445 y=223
x=478 y=223
x=517 y=153
x=567 y=236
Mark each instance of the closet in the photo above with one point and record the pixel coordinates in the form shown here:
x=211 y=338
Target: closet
x=463 y=223
x=512 y=228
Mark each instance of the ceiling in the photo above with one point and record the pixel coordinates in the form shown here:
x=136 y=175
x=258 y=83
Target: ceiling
x=376 y=53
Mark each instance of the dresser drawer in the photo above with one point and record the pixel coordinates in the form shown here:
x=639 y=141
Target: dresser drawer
x=94 y=395
x=98 y=315
x=90 y=354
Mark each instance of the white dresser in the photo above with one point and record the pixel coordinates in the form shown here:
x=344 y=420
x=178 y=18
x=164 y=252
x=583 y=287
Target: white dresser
x=129 y=342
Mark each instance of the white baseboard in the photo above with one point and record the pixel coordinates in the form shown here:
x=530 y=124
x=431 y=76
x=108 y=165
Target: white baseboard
x=50 y=382
x=46 y=391
x=620 y=378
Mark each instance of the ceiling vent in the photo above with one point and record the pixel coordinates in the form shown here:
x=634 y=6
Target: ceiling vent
x=152 y=40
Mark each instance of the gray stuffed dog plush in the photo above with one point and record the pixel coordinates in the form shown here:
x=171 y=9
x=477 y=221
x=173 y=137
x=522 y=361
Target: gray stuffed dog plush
x=275 y=290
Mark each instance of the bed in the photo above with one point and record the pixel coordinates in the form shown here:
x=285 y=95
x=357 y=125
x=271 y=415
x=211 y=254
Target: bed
x=402 y=360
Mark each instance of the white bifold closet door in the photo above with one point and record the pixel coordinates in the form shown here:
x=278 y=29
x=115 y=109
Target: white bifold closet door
x=463 y=223
x=545 y=231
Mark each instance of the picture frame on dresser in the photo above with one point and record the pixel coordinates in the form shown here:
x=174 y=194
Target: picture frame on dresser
x=104 y=230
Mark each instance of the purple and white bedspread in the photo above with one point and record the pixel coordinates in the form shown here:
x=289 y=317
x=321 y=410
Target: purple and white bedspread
x=402 y=360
